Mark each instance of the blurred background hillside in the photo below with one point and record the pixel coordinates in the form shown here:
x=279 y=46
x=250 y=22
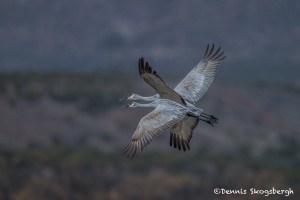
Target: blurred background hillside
x=65 y=64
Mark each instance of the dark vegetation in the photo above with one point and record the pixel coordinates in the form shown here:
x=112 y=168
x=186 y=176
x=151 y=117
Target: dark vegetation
x=62 y=172
x=76 y=152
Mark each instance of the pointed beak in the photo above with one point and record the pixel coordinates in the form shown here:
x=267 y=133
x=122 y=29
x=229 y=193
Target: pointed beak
x=124 y=98
x=125 y=106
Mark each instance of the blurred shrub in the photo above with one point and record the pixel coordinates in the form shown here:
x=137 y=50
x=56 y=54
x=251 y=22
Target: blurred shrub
x=62 y=172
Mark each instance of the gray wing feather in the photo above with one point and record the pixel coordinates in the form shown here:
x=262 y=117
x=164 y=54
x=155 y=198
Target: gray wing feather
x=154 y=80
x=150 y=126
x=197 y=81
x=182 y=132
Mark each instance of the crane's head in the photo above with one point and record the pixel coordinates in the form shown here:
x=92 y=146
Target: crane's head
x=132 y=97
x=131 y=105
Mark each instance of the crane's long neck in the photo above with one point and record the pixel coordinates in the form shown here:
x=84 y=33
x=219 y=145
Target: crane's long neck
x=152 y=104
x=150 y=98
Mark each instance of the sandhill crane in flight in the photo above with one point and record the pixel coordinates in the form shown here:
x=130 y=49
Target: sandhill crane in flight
x=186 y=93
x=166 y=114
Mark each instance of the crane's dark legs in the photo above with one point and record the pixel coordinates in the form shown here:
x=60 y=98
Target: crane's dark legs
x=210 y=119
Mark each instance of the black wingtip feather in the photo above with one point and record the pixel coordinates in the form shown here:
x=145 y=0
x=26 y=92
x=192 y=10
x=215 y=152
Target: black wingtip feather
x=207 y=48
x=174 y=141
x=178 y=143
x=141 y=64
x=183 y=145
x=212 y=49
x=187 y=145
x=145 y=68
x=213 y=55
x=219 y=57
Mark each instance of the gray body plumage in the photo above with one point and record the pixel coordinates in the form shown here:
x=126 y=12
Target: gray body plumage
x=166 y=114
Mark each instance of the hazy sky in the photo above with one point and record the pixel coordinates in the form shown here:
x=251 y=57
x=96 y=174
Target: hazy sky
x=94 y=35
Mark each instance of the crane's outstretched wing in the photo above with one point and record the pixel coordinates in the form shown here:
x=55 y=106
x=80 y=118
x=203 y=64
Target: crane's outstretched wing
x=182 y=132
x=197 y=81
x=150 y=126
x=150 y=76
